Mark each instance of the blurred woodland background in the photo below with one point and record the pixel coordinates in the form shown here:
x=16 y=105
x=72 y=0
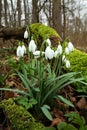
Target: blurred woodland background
x=68 y=17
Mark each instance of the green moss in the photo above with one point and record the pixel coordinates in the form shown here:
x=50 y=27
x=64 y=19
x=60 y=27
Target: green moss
x=42 y=32
x=78 y=61
x=18 y=117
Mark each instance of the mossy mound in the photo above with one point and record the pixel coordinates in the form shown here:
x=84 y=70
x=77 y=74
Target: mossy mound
x=18 y=117
x=78 y=61
x=42 y=32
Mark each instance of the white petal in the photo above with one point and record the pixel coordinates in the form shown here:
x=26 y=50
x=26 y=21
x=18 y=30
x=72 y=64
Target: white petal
x=24 y=49
x=67 y=64
x=56 y=53
x=70 y=46
x=37 y=53
x=26 y=34
x=19 y=51
x=64 y=58
x=67 y=51
x=49 y=42
x=49 y=53
x=59 y=49
x=32 y=46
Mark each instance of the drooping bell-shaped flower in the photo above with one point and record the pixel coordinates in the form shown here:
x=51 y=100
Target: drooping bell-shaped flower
x=63 y=58
x=70 y=46
x=49 y=53
x=23 y=49
x=32 y=46
x=56 y=53
x=20 y=52
x=67 y=51
x=48 y=42
x=67 y=64
x=37 y=54
x=59 y=49
x=26 y=34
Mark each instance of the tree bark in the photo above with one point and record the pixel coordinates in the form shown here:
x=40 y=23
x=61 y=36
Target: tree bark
x=5 y=15
x=19 y=12
x=0 y=11
x=56 y=15
x=35 y=15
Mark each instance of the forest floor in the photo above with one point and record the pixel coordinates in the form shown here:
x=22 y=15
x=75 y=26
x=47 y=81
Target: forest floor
x=58 y=112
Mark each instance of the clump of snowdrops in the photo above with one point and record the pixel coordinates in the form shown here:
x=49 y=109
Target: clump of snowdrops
x=42 y=75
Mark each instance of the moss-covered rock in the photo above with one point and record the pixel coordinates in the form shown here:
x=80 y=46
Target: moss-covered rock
x=78 y=61
x=18 y=117
x=42 y=32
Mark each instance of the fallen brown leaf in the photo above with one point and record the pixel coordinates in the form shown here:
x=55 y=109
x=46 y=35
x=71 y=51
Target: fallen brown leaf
x=81 y=103
x=56 y=121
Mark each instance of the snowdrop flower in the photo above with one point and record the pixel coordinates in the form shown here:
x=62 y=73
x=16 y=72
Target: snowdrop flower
x=23 y=49
x=59 y=49
x=20 y=51
x=64 y=58
x=70 y=46
x=32 y=46
x=37 y=54
x=49 y=53
x=49 y=42
x=67 y=64
x=67 y=51
x=26 y=34
x=56 y=53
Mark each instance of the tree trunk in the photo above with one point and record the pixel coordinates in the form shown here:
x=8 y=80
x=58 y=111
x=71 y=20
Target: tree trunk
x=0 y=11
x=19 y=12
x=56 y=15
x=64 y=20
x=35 y=15
x=5 y=15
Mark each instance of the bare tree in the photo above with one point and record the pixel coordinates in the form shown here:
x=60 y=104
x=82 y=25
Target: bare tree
x=0 y=11
x=19 y=12
x=5 y=14
x=56 y=15
x=35 y=14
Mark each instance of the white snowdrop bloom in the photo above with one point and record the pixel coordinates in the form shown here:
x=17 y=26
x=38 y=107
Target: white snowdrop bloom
x=56 y=53
x=70 y=46
x=37 y=54
x=23 y=49
x=49 y=42
x=64 y=58
x=26 y=34
x=67 y=51
x=20 y=51
x=32 y=46
x=59 y=49
x=49 y=53
x=67 y=64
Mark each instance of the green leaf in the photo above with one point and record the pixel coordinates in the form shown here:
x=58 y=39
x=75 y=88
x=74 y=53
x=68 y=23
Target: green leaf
x=64 y=100
x=46 y=112
x=49 y=128
x=61 y=125
x=66 y=126
x=70 y=127
x=15 y=91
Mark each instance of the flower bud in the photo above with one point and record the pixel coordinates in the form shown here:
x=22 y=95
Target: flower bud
x=26 y=34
